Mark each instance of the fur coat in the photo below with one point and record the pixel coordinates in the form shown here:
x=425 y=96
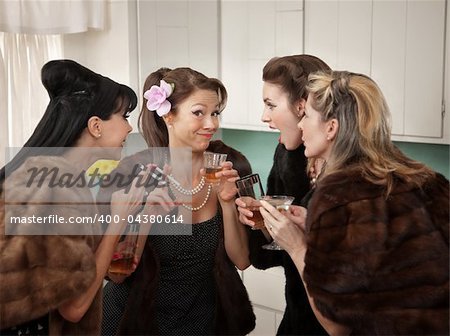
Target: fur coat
x=377 y=265
x=287 y=177
x=40 y=272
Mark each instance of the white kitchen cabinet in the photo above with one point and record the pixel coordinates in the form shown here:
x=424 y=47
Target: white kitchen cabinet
x=266 y=292
x=400 y=44
x=178 y=33
x=388 y=54
x=266 y=322
x=252 y=32
x=408 y=63
x=424 y=68
x=338 y=32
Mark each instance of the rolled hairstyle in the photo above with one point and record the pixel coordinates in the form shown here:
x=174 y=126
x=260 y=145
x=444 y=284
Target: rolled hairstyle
x=363 y=139
x=76 y=94
x=186 y=81
x=291 y=74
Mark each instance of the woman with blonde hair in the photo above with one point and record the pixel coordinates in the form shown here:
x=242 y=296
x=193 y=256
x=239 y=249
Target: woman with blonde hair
x=373 y=249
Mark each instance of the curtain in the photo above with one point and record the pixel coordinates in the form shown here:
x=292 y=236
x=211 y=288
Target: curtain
x=23 y=57
x=30 y=36
x=3 y=110
x=51 y=16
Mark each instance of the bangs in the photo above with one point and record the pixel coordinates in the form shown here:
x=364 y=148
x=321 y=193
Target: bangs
x=126 y=100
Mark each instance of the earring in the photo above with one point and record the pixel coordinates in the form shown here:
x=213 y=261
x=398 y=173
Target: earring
x=170 y=126
x=98 y=135
x=328 y=138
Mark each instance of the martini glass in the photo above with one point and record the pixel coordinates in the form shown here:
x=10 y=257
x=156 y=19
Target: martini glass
x=281 y=203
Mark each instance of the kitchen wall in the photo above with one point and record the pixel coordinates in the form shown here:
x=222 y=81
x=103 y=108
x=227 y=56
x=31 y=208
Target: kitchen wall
x=259 y=148
x=115 y=51
x=112 y=52
x=145 y=35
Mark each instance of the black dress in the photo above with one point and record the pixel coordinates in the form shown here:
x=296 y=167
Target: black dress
x=287 y=177
x=185 y=296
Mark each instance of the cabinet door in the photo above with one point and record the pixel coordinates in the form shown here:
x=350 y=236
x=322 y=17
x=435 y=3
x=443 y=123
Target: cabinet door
x=252 y=32
x=399 y=43
x=388 y=56
x=321 y=30
x=178 y=33
x=424 y=68
x=408 y=63
x=339 y=32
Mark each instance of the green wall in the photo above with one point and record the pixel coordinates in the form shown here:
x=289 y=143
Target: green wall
x=260 y=146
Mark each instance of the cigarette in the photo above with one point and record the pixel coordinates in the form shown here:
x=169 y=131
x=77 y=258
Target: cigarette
x=172 y=180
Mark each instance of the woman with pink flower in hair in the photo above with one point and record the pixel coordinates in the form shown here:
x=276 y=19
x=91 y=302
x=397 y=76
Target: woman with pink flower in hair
x=188 y=284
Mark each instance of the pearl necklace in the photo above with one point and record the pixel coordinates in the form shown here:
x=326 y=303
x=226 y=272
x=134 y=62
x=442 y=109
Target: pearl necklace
x=188 y=192
x=203 y=203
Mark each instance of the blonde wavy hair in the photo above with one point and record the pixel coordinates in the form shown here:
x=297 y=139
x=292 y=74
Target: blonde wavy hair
x=363 y=139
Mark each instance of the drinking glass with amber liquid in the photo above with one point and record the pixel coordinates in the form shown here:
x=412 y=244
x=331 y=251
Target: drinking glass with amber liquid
x=123 y=256
x=250 y=191
x=212 y=163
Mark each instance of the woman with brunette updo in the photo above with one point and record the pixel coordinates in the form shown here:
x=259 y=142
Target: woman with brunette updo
x=188 y=284
x=284 y=96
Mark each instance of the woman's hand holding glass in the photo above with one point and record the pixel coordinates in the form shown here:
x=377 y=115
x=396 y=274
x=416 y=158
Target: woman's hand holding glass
x=127 y=201
x=249 y=214
x=228 y=176
x=134 y=202
x=250 y=191
x=123 y=203
x=119 y=278
x=157 y=202
x=287 y=228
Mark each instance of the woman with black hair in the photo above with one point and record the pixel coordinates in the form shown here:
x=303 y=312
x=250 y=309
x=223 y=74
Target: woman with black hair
x=51 y=274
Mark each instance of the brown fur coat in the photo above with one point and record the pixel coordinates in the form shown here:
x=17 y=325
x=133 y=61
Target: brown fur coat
x=40 y=272
x=377 y=265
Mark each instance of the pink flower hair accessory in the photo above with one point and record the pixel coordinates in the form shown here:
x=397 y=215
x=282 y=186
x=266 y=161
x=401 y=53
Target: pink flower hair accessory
x=157 y=98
